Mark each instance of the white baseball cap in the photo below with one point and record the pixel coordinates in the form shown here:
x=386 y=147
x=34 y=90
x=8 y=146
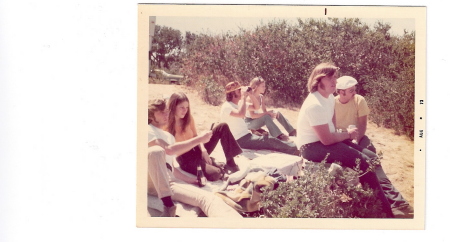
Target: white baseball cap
x=345 y=82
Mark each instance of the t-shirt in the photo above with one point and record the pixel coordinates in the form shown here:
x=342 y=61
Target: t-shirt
x=237 y=125
x=316 y=110
x=155 y=133
x=347 y=114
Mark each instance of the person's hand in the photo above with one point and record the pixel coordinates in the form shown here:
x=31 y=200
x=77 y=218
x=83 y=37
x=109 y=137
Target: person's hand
x=277 y=114
x=244 y=92
x=205 y=137
x=206 y=157
x=353 y=133
x=272 y=113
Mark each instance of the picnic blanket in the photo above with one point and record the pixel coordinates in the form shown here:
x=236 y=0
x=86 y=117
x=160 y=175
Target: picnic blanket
x=249 y=159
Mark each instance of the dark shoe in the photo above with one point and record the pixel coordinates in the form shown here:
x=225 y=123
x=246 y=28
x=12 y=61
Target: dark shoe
x=232 y=169
x=293 y=133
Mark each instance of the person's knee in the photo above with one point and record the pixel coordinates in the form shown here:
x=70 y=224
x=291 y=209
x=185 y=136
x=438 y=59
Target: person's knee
x=223 y=126
x=156 y=152
x=268 y=119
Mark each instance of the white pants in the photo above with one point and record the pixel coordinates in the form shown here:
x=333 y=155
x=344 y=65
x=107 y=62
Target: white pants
x=162 y=183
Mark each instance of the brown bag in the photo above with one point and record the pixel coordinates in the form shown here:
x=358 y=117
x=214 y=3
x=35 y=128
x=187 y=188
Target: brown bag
x=247 y=197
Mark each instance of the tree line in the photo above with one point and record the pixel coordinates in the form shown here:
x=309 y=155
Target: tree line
x=284 y=55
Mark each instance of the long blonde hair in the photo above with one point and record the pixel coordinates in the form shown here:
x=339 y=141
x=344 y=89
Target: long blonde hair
x=255 y=82
x=321 y=70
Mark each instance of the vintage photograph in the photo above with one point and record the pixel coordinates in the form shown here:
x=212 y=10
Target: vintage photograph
x=275 y=112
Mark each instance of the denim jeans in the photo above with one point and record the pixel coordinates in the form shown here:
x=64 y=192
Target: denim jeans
x=255 y=142
x=366 y=143
x=346 y=154
x=394 y=197
x=268 y=121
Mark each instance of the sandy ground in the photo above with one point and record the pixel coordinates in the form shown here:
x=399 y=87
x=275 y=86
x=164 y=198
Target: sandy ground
x=398 y=153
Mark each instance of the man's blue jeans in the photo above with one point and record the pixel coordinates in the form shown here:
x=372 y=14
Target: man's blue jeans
x=346 y=153
x=268 y=121
x=255 y=142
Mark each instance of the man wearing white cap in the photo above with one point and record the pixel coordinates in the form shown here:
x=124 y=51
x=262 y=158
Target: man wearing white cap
x=352 y=109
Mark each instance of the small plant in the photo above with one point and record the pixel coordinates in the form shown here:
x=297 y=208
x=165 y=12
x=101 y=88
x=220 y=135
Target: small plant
x=317 y=194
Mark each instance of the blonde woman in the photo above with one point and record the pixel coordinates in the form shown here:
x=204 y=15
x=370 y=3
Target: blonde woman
x=255 y=119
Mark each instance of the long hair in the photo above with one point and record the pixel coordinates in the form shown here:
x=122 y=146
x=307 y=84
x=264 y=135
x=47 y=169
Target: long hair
x=255 y=82
x=320 y=71
x=174 y=100
x=154 y=106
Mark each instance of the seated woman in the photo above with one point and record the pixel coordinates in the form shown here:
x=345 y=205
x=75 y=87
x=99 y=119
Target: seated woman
x=255 y=119
x=318 y=139
x=197 y=160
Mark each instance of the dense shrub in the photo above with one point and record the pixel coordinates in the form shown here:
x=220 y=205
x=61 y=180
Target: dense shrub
x=317 y=194
x=285 y=54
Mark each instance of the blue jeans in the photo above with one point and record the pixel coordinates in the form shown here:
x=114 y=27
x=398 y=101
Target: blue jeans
x=255 y=142
x=267 y=121
x=393 y=195
x=366 y=143
x=346 y=154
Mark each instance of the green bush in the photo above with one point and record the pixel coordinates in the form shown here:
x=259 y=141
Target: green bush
x=317 y=194
x=285 y=54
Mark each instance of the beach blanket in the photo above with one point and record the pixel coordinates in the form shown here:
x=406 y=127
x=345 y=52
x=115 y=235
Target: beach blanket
x=249 y=159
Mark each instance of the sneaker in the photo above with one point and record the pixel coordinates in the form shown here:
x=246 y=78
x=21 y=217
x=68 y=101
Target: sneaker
x=169 y=211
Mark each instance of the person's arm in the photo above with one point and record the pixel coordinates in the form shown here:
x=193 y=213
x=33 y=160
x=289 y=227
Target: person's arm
x=205 y=154
x=253 y=102
x=242 y=107
x=328 y=138
x=362 y=127
x=182 y=147
x=255 y=115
